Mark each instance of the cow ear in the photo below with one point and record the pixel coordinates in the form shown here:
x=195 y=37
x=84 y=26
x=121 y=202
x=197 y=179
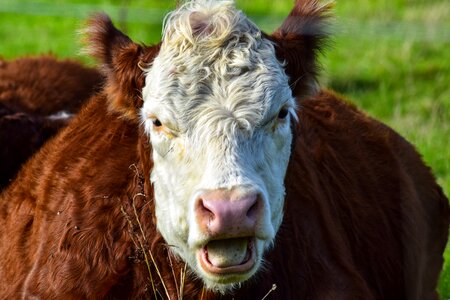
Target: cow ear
x=121 y=62
x=298 y=42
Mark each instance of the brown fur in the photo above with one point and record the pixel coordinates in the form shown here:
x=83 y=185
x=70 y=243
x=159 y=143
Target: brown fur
x=44 y=85
x=31 y=89
x=21 y=135
x=364 y=217
x=298 y=42
x=122 y=61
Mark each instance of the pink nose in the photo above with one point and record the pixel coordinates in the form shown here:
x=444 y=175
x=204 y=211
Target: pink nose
x=223 y=213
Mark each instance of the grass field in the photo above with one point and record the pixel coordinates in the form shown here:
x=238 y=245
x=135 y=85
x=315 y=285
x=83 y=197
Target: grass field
x=390 y=57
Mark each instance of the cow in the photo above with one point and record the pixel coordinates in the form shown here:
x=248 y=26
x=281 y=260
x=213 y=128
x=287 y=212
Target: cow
x=213 y=166
x=38 y=96
x=21 y=135
x=44 y=85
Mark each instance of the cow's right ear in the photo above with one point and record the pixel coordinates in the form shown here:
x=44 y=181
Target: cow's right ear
x=121 y=62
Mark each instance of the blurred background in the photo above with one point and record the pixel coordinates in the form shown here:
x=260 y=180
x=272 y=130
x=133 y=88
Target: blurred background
x=389 y=57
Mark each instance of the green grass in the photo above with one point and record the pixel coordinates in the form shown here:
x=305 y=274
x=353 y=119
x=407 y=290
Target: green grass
x=390 y=57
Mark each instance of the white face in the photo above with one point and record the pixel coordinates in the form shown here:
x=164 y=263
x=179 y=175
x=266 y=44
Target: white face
x=219 y=124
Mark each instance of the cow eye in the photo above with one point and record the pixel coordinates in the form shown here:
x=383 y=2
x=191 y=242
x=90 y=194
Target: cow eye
x=283 y=113
x=156 y=123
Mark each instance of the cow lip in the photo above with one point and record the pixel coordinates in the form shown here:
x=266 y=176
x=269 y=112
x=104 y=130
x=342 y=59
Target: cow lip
x=243 y=267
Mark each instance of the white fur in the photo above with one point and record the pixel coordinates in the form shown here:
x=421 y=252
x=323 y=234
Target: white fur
x=61 y=115
x=217 y=91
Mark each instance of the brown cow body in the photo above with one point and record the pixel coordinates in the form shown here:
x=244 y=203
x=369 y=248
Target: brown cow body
x=363 y=216
x=45 y=85
x=374 y=229
x=21 y=135
x=38 y=96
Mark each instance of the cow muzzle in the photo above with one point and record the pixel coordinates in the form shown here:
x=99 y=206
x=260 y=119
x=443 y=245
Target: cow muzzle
x=229 y=219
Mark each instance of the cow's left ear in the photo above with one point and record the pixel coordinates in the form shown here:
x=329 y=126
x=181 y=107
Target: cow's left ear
x=121 y=62
x=298 y=42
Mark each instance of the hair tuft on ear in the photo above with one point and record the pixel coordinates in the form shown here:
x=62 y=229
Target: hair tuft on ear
x=299 y=40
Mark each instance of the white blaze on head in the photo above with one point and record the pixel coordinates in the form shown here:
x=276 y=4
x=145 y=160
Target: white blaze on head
x=215 y=104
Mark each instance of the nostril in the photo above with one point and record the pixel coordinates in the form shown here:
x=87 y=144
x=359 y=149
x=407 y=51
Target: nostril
x=205 y=210
x=253 y=210
x=222 y=212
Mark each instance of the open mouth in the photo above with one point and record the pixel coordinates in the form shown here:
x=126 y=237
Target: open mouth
x=228 y=256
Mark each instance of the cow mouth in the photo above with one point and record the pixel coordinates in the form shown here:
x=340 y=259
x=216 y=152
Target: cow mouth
x=228 y=256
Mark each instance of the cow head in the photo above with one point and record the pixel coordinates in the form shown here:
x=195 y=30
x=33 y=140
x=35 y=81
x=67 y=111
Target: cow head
x=217 y=103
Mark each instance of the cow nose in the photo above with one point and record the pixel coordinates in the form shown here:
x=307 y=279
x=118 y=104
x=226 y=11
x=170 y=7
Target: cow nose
x=223 y=213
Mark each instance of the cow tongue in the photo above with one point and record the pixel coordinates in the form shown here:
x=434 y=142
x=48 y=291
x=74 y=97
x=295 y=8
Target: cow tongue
x=228 y=252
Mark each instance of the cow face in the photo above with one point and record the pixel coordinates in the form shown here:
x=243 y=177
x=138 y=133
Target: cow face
x=218 y=109
x=217 y=106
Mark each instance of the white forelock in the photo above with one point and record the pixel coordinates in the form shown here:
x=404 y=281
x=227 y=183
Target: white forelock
x=228 y=72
